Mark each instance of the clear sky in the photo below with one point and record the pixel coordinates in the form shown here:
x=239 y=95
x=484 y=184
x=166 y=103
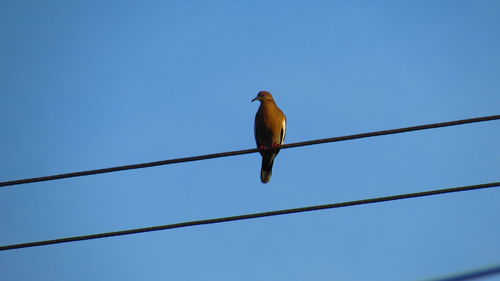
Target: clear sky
x=93 y=84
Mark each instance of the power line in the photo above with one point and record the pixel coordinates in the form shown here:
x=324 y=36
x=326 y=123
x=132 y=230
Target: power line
x=250 y=216
x=480 y=273
x=248 y=151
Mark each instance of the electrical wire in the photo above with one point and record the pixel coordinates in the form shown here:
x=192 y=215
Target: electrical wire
x=248 y=151
x=250 y=216
x=476 y=274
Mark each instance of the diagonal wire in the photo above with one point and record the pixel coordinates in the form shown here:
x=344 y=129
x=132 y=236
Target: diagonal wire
x=248 y=151
x=250 y=216
x=476 y=274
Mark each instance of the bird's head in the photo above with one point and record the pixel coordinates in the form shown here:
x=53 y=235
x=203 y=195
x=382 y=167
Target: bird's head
x=263 y=96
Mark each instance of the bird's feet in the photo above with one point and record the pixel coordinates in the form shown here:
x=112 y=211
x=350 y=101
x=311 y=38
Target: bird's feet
x=273 y=146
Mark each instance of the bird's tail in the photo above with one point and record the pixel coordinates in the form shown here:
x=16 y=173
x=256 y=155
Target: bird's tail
x=267 y=168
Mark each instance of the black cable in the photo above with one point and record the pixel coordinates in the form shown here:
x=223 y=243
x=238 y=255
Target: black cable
x=250 y=216
x=472 y=274
x=247 y=151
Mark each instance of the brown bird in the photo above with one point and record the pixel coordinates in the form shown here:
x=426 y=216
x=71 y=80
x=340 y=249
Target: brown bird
x=270 y=130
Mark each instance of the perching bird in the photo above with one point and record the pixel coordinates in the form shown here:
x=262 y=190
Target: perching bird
x=270 y=130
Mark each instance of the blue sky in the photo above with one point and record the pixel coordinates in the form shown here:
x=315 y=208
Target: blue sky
x=93 y=84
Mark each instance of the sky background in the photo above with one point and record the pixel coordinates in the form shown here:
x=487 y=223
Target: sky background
x=94 y=84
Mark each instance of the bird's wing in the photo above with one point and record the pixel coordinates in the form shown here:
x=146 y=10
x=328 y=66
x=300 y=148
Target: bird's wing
x=283 y=131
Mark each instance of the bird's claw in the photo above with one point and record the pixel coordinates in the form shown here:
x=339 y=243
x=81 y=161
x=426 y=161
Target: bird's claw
x=273 y=146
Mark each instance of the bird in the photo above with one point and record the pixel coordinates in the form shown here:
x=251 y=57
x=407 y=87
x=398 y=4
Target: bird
x=270 y=131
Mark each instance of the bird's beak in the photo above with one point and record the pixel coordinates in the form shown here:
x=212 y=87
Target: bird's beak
x=256 y=98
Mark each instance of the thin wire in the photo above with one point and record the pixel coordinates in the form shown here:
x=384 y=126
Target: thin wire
x=480 y=273
x=248 y=151
x=250 y=216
